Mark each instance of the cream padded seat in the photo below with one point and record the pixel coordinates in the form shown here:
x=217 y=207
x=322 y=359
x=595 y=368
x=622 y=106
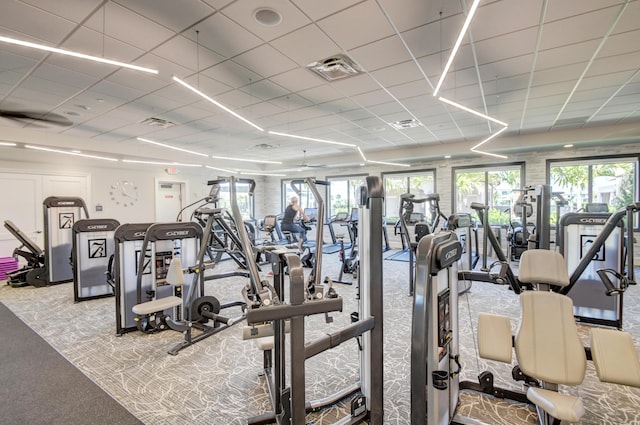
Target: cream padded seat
x=543 y=266
x=561 y=406
x=615 y=357
x=547 y=343
x=175 y=277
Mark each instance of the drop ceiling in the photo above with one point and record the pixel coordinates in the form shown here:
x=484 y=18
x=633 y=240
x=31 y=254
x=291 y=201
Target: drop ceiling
x=555 y=71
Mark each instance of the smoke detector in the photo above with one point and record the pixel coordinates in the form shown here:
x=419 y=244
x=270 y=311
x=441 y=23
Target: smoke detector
x=335 y=67
x=157 y=122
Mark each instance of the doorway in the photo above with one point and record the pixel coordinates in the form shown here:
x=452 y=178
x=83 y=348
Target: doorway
x=169 y=200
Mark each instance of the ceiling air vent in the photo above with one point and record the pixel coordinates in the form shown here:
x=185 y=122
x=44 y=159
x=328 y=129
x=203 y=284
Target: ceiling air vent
x=335 y=67
x=157 y=122
x=404 y=124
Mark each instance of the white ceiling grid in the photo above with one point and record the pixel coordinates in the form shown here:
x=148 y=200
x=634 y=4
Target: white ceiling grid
x=539 y=65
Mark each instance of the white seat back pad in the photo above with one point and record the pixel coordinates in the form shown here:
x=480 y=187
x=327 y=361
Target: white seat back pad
x=548 y=346
x=615 y=357
x=543 y=266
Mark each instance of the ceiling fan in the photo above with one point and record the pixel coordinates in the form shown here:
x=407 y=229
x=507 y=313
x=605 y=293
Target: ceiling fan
x=305 y=164
x=37 y=118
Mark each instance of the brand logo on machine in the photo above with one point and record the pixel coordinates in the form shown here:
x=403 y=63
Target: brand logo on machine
x=177 y=233
x=71 y=203
x=449 y=255
x=97 y=226
x=139 y=234
x=593 y=220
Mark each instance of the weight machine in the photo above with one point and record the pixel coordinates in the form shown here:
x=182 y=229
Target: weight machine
x=289 y=405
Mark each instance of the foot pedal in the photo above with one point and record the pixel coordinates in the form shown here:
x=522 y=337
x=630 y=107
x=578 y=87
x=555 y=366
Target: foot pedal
x=358 y=405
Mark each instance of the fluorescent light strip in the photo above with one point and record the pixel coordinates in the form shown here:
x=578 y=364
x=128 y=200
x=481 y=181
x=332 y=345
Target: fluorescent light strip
x=40 y=148
x=262 y=174
x=456 y=46
x=7 y=144
x=490 y=154
x=171 y=147
x=75 y=54
x=256 y=161
x=389 y=163
x=220 y=169
x=364 y=158
x=489 y=138
x=312 y=139
x=464 y=108
x=135 y=161
x=218 y=104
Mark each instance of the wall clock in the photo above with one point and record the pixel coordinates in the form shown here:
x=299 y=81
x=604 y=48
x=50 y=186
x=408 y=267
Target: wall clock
x=124 y=192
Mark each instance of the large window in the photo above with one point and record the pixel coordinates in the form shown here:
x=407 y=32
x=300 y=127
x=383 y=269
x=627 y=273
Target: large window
x=607 y=181
x=496 y=186
x=344 y=193
x=305 y=197
x=245 y=201
x=420 y=183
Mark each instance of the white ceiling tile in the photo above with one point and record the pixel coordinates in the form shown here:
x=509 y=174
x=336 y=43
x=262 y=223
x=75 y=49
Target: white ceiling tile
x=398 y=74
x=356 y=26
x=489 y=20
x=43 y=27
x=266 y=61
x=320 y=9
x=188 y=54
x=369 y=57
x=355 y=85
x=620 y=63
x=232 y=74
x=223 y=36
x=557 y=10
x=629 y=19
x=413 y=13
x=297 y=79
x=171 y=14
x=117 y=22
x=577 y=29
x=306 y=45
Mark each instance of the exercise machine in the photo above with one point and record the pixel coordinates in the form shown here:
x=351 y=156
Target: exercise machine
x=171 y=302
x=60 y=213
x=547 y=345
x=289 y=404
x=500 y=271
x=123 y=272
x=33 y=272
x=93 y=246
x=598 y=249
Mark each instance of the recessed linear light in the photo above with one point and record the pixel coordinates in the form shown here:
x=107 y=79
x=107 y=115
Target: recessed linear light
x=262 y=174
x=257 y=161
x=447 y=157
x=135 y=161
x=364 y=158
x=389 y=163
x=171 y=147
x=464 y=108
x=489 y=154
x=568 y=146
x=7 y=144
x=219 y=169
x=75 y=54
x=312 y=139
x=40 y=148
x=218 y=104
x=489 y=138
x=456 y=46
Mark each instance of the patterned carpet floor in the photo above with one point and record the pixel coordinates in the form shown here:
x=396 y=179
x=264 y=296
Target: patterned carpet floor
x=218 y=380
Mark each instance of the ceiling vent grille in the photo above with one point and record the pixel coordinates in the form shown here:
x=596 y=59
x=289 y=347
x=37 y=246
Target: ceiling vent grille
x=335 y=67
x=157 y=122
x=404 y=124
